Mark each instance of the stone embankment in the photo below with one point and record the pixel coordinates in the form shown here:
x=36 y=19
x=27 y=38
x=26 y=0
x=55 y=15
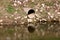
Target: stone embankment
x=16 y=12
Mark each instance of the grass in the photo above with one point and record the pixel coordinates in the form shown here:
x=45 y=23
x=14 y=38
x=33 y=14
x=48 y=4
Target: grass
x=49 y=3
x=10 y=9
x=42 y=38
x=9 y=31
x=31 y=4
x=52 y=38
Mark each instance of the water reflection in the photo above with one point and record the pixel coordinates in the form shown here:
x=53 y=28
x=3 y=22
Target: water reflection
x=30 y=31
x=31 y=28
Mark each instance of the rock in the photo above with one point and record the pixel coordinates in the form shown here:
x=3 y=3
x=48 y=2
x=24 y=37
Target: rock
x=58 y=13
x=43 y=5
x=22 y=22
x=29 y=20
x=31 y=16
x=15 y=4
x=37 y=15
x=25 y=16
x=1 y=20
x=19 y=2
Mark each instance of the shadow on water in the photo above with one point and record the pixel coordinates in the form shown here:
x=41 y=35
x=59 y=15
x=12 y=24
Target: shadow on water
x=38 y=31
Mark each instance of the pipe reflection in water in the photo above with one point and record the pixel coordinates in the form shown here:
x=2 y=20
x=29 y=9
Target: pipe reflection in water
x=31 y=28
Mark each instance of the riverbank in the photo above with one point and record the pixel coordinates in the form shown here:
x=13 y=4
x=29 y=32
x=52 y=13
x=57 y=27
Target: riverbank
x=15 y=11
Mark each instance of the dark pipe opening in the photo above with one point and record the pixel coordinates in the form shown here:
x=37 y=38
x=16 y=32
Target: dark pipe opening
x=31 y=29
x=31 y=11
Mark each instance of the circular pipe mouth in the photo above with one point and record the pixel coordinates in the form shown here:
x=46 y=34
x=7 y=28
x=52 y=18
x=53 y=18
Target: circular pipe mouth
x=31 y=11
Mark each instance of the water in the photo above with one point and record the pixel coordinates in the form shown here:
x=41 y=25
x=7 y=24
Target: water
x=38 y=31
